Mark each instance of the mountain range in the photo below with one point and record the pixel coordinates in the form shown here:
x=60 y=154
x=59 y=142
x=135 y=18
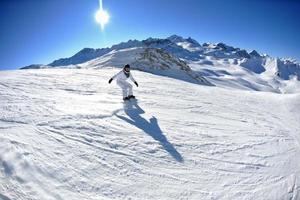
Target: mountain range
x=186 y=59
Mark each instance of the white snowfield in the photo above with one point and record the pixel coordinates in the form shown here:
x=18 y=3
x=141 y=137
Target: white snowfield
x=65 y=134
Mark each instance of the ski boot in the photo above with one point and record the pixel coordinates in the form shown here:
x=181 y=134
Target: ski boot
x=126 y=98
x=131 y=97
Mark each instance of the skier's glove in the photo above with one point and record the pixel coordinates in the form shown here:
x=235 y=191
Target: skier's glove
x=110 y=80
x=137 y=85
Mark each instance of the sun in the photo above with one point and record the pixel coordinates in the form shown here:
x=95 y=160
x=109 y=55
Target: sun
x=102 y=17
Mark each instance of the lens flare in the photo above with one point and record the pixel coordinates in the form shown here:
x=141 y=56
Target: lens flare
x=101 y=16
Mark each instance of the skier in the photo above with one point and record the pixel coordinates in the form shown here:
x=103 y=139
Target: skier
x=121 y=78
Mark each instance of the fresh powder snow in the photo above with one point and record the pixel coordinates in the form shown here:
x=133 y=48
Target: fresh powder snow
x=66 y=134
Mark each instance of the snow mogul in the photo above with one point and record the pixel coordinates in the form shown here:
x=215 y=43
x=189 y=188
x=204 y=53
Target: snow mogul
x=121 y=79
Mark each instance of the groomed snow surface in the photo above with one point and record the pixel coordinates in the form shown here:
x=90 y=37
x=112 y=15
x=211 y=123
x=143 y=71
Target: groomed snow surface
x=66 y=134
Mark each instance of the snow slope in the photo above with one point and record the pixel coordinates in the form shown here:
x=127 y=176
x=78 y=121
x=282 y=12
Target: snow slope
x=66 y=134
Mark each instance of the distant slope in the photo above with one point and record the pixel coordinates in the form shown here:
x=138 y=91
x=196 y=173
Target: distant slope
x=66 y=134
x=155 y=61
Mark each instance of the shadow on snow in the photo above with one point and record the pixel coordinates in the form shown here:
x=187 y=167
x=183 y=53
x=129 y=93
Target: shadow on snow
x=134 y=111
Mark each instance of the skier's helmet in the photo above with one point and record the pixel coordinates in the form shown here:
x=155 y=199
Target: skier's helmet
x=127 y=68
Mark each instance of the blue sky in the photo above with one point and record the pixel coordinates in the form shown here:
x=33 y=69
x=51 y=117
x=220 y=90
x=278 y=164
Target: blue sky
x=40 y=31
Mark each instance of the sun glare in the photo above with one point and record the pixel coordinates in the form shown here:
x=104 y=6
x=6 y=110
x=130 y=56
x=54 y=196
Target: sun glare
x=102 y=17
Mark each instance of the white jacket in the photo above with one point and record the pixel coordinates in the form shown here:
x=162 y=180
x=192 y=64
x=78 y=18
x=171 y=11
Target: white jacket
x=121 y=77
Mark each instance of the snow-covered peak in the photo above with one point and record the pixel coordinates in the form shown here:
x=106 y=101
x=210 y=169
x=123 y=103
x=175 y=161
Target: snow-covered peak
x=192 y=41
x=242 y=54
x=254 y=54
x=84 y=55
x=176 y=38
x=128 y=44
x=34 y=66
x=157 y=42
x=182 y=50
x=225 y=47
x=287 y=69
x=86 y=51
x=188 y=44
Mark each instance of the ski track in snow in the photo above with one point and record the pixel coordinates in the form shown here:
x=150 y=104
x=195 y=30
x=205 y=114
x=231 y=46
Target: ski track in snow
x=66 y=134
